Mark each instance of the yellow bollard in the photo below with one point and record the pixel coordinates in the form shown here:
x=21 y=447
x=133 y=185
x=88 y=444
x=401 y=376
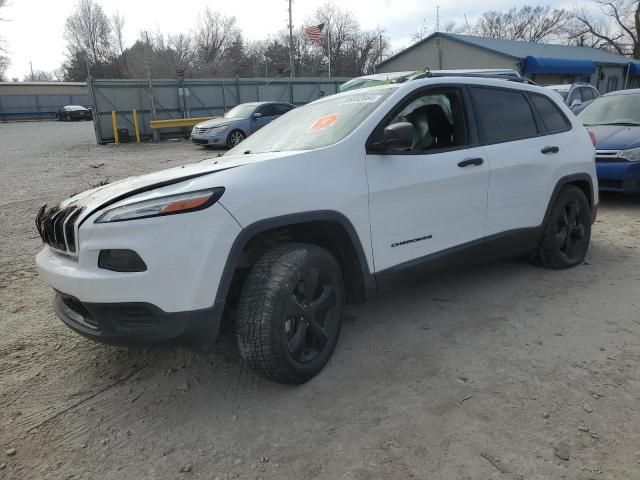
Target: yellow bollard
x=136 y=125
x=115 y=127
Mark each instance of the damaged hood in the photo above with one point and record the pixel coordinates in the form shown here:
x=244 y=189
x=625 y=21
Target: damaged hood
x=96 y=198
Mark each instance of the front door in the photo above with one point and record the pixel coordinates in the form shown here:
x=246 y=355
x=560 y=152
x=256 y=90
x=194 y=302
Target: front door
x=434 y=196
x=267 y=114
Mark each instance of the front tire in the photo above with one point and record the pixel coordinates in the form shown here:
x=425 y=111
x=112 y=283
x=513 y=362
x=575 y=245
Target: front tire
x=290 y=312
x=567 y=234
x=235 y=137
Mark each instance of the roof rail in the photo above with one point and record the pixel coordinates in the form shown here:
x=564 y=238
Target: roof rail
x=512 y=75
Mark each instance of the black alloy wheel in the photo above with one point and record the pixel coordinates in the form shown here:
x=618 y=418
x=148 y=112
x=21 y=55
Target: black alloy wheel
x=310 y=316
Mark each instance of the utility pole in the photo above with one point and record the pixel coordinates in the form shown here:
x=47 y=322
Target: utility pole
x=152 y=99
x=291 y=72
x=437 y=18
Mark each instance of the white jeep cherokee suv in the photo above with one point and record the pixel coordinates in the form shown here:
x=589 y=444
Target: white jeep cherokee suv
x=327 y=205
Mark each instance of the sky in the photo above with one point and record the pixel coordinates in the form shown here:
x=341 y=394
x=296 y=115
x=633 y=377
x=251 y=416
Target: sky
x=34 y=29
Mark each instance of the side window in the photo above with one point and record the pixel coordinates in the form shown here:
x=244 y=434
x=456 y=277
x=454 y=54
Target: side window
x=437 y=121
x=587 y=94
x=554 y=120
x=281 y=108
x=575 y=95
x=503 y=115
x=266 y=110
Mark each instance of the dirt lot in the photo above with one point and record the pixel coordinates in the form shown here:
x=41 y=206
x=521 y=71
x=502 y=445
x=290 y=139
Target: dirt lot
x=501 y=372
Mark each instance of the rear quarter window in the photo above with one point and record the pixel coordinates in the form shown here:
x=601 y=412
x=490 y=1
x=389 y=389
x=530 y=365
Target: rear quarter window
x=503 y=115
x=553 y=119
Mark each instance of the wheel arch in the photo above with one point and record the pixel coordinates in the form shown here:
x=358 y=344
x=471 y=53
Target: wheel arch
x=328 y=229
x=581 y=180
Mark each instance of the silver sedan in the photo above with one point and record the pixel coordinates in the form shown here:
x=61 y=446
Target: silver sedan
x=237 y=124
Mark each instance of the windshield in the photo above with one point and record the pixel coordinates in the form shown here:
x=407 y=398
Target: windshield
x=240 y=111
x=316 y=125
x=612 y=110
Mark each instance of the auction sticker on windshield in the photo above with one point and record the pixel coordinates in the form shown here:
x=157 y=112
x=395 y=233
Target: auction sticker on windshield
x=361 y=99
x=324 y=122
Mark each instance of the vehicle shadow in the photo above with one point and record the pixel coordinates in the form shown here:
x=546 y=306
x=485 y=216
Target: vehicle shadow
x=624 y=201
x=396 y=335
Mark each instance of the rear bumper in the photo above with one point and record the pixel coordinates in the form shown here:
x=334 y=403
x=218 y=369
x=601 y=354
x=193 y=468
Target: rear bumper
x=619 y=176
x=138 y=323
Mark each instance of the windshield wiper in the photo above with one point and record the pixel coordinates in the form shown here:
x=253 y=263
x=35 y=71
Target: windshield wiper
x=622 y=124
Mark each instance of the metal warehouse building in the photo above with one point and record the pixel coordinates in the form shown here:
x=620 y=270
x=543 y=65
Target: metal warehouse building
x=545 y=64
x=33 y=100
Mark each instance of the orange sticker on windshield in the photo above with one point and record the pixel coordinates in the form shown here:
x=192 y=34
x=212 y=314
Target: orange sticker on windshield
x=324 y=122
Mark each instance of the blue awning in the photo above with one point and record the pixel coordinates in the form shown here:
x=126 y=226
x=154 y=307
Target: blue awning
x=634 y=69
x=558 y=65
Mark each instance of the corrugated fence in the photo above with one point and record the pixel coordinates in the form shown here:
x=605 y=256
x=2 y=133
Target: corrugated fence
x=193 y=98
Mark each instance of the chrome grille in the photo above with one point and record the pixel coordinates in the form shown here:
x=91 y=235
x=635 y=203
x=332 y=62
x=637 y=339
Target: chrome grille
x=57 y=227
x=609 y=156
x=200 y=130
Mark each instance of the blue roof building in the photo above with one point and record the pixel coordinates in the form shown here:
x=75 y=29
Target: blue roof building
x=543 y=63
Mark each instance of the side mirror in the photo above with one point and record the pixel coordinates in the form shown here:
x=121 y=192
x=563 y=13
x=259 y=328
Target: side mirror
x=256 y=115
x=397 y=137
x=576 y=103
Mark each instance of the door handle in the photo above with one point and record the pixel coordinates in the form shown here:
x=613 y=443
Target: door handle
x=549 y=149
x=470 y=161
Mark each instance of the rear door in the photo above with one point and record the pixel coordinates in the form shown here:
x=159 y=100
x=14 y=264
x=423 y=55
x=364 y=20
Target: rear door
x=281 y=108
x=523 y=157
x=434 y=196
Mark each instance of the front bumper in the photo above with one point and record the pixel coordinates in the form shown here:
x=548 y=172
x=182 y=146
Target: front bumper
x=138 y=323
x=185 y=257
x=218 y=138
x=619 y=176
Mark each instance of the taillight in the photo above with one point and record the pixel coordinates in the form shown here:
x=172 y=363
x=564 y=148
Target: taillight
x=592 y=135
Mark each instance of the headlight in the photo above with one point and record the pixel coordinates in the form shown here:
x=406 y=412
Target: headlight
x=157 y=207
x=633 y=154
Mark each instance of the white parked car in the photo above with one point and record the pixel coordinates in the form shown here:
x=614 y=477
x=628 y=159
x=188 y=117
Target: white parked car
x=327 y=205
x=577 y=96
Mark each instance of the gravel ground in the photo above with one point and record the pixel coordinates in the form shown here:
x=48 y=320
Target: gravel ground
x=505 y=371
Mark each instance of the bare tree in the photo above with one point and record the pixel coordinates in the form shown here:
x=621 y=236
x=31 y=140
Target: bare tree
x=215 y=33
x=619 y=31
x=182 y=46
x=117 y=27
x=423 y=32
x=4 y=59
x=40 y=76
x=88 y=32
x=528 y=23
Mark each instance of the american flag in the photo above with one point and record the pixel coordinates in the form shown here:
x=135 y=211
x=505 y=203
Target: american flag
x=314 y=33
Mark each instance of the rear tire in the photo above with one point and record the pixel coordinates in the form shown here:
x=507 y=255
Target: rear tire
x=290 y=312
x=567 y=234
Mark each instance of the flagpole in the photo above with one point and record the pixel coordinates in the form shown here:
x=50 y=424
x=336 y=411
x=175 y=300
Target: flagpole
x=329 y=52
